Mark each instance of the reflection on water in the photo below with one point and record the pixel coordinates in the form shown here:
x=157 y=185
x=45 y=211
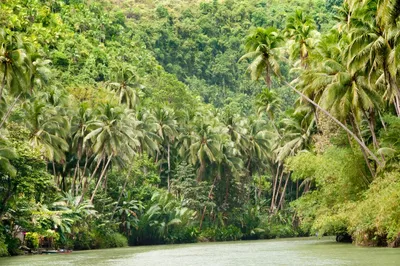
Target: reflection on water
x=294 y=251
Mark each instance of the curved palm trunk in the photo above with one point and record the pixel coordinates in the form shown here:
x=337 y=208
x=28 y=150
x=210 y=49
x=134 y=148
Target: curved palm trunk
x=74 y=177
x=357 y=128
x=362 y=144
x=101 y=177
x=280 y=205
x=275 y=200
x=86 y=184
x=9 y=110
x=275 y=181
x=3 y=83
x=169 y=167
x=122 y=191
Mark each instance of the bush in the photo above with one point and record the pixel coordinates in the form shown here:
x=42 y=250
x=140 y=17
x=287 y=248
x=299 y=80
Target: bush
x=3 y=247
x=229 y=233
x=32 y=240
x=187 y=235
x=116 y=240
x=110 y=240
x=13 y=245
x=375 y=220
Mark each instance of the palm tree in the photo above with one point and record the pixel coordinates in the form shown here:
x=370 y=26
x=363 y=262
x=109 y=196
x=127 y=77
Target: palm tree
x=268 y=102
x=6 y=154
x=41 y=73
x=15 y=64
x=48 y=129
x=263 y=46
x=300 y=28
x=373 y=45
x=148 y=137
x=113 y=135
x=167 y=132
x=237 y=129
x=254 y=49
x=79 y=130
x=205 y=146
x=258 y=143
x=124 y=81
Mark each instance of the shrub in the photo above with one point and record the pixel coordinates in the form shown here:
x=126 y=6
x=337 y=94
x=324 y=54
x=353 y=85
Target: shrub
x=187 y=235
x=32 y=240
x=3 y=247
x=110 y=240
x=116 y=240
x=229 y=233
x=13 y=245
x=85 y=240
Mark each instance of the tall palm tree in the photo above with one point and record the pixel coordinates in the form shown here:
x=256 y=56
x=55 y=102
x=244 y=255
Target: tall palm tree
x=167 y=132
x=148 y=138
x=374 y=38
x=269 y=103
x=15 y=64
x=79 y=130
x=205 y=146
x=258 y=143
x=113 y=135
x=48 y=129
x=124 y=81
x=300 y=28
x=6 y=154
x=263 y=47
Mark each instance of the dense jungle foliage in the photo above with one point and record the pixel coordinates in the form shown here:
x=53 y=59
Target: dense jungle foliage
x=148 y=122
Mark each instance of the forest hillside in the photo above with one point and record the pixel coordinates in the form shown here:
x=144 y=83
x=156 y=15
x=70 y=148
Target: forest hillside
x=150 y=122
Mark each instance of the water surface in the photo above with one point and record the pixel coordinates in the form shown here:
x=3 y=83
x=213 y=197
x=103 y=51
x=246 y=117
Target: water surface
x=294 y=251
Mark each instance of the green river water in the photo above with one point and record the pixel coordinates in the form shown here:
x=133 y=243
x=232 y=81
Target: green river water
x=294 y=251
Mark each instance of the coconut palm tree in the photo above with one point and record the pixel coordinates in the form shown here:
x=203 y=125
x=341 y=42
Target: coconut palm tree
x=15 y=64
x=263 y=47
x=148 y=137
x=167 y=132
x=114 y=136
x=48 y=129
x=374 y=37
x=124 y=82
x=269 y=103
x=205 y=145
x=300 y=28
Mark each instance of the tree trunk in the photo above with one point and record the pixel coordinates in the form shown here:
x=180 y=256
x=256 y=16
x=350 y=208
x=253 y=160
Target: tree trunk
x=3 y=83
x=205 y=207
x=277 y=191
x=82 y=176
x=367 y=150
x=275 y=181
x=9 y=110
x=123 y=189
x=169 y=167
x=393 y=86
x=355 y=126
x=74 y=178
x=101 y=177
x=86 y=185
x=280 y=205
x=371 y=122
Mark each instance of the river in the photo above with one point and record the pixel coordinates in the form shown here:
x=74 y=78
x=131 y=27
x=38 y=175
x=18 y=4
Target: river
x=294 y=251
